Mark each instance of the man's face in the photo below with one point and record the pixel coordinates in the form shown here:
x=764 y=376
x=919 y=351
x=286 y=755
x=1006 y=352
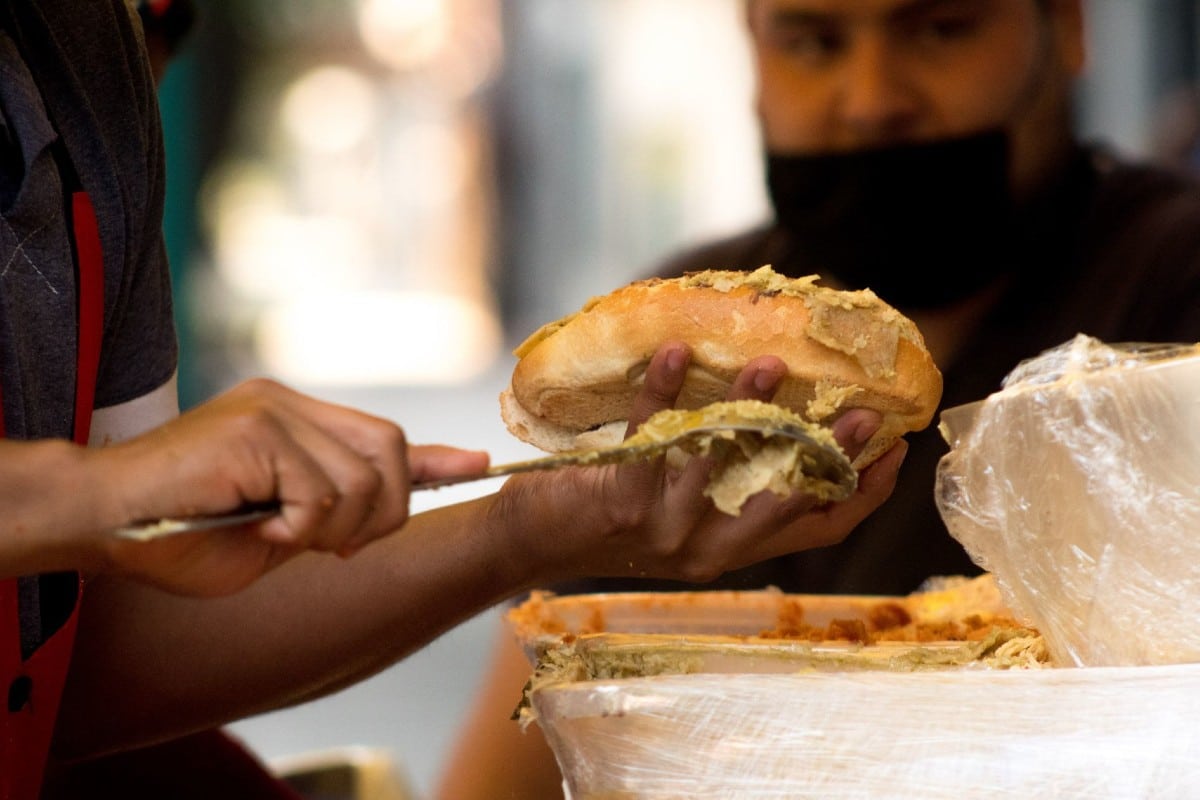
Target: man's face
x=840 y=75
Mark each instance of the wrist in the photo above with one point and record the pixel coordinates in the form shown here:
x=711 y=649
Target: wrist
x=103 y=485
x=108 y=484
x=548 y=531
x=545 y=528
x=515 y=557
x=54 y=518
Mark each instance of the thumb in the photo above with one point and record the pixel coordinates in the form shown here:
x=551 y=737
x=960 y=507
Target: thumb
x=432 y=461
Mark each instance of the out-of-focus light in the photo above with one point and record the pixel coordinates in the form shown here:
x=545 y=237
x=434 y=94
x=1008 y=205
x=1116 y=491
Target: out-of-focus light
x=437 y=162
x=266 y=253
x=659 y=56
x=404 y=34
x=329 y=109
x=371 y=338
x=238 y=188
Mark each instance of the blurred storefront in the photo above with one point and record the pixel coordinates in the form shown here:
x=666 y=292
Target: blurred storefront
x=391 y=191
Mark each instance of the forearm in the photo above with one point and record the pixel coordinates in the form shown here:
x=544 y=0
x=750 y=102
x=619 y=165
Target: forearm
x=53 y=508
x=310 y=627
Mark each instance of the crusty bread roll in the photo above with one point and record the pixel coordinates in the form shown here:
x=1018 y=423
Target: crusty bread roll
x=576 y=378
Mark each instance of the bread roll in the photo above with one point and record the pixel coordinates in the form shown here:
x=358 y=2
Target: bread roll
x=576 y=378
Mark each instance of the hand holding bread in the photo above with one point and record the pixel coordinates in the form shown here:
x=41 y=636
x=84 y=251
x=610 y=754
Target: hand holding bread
x=648 y=519
x=844 y=359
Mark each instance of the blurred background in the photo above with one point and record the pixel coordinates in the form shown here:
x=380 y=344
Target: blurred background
x=376 y=200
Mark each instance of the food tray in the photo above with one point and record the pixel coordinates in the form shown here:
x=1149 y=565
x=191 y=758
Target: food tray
x=751 y=716
x=767 y=630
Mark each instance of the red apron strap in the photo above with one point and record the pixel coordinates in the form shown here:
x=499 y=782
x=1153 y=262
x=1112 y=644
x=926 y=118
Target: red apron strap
x=34 y=687
x=90 y=288
x=159 y=7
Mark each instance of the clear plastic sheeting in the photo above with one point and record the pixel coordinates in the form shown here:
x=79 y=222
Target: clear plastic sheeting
x=1063 y=733
x=1077 y=486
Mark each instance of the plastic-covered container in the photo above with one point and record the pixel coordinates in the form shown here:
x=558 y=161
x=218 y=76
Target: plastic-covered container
x=1078 y=486
x=682 y=698
x=1067 y=734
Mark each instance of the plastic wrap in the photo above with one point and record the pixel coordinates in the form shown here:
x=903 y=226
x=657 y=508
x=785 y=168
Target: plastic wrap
x=1068 y=734
x=708 y=707
x=1078 y=486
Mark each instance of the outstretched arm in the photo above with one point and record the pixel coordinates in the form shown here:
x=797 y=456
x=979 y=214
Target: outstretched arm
x=317 y=623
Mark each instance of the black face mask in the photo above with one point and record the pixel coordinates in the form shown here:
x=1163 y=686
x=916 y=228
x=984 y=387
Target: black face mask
x=923 y=225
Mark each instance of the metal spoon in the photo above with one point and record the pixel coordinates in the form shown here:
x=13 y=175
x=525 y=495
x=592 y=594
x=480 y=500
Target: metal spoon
x=822 y=460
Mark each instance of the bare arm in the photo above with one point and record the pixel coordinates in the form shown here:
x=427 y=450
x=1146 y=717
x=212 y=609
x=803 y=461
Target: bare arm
x=318 y=623
x=51 y=509
x=50 y=491
x=342 y=478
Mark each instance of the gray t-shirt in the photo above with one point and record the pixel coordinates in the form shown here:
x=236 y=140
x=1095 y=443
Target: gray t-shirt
x=37 y=283
x=80 y=68
x=76 y=70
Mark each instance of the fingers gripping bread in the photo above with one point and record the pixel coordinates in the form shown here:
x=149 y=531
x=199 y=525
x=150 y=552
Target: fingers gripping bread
x=576 y=378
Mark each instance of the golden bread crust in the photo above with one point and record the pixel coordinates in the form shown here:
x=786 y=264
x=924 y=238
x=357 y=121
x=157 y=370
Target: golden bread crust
x=842 y=349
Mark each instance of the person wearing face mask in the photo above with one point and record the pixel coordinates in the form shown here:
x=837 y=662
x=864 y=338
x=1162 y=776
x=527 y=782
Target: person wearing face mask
x=924 y=149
